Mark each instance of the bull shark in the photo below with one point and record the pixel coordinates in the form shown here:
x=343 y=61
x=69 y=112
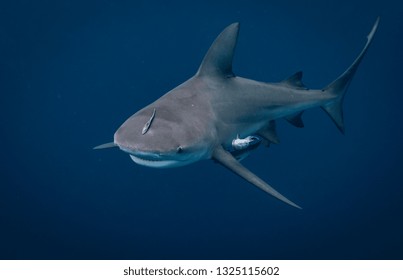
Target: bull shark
x=216 y=114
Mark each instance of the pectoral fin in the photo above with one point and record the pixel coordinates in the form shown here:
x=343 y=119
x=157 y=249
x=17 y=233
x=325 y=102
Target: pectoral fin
x=105 y=146
x=226 y=159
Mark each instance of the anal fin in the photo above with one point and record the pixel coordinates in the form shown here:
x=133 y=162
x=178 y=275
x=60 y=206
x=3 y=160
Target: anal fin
x=296 y=120
x=226 y=159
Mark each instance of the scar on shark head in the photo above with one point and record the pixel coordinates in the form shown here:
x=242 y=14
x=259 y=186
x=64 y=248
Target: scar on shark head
x=148 y=123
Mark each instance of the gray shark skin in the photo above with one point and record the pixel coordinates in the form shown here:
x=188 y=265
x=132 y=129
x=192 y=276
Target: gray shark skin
x=200 y=118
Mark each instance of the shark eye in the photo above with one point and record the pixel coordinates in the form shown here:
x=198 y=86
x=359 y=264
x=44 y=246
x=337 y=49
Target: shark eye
x=179 y=150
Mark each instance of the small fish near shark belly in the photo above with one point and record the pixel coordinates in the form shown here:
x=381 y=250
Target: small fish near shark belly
x=241 y=148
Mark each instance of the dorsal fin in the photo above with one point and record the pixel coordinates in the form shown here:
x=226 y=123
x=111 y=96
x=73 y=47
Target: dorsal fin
x=295 y=80
x=218 y=60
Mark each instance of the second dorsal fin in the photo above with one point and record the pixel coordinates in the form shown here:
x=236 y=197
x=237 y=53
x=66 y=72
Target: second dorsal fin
x=295 y=80
x=218 y=60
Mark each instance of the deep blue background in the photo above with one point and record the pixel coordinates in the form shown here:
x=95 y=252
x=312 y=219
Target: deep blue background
x=72 y=71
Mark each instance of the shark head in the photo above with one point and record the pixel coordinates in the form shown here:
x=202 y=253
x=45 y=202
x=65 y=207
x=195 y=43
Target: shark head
x=179 y=128
x=162 y=136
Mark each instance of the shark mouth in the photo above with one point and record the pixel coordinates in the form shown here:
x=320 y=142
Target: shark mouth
x=155 y=162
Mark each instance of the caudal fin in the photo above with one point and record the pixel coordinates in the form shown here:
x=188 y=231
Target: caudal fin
x=339 y=87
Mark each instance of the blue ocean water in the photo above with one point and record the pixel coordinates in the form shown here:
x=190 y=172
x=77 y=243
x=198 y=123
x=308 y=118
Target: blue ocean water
x=72 y=71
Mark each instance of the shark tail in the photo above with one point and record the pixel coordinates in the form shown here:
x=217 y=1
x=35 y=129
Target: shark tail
x=339 y=87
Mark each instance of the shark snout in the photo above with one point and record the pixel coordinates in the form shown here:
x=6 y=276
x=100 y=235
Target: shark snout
x=150 y=156
x=175 y=157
